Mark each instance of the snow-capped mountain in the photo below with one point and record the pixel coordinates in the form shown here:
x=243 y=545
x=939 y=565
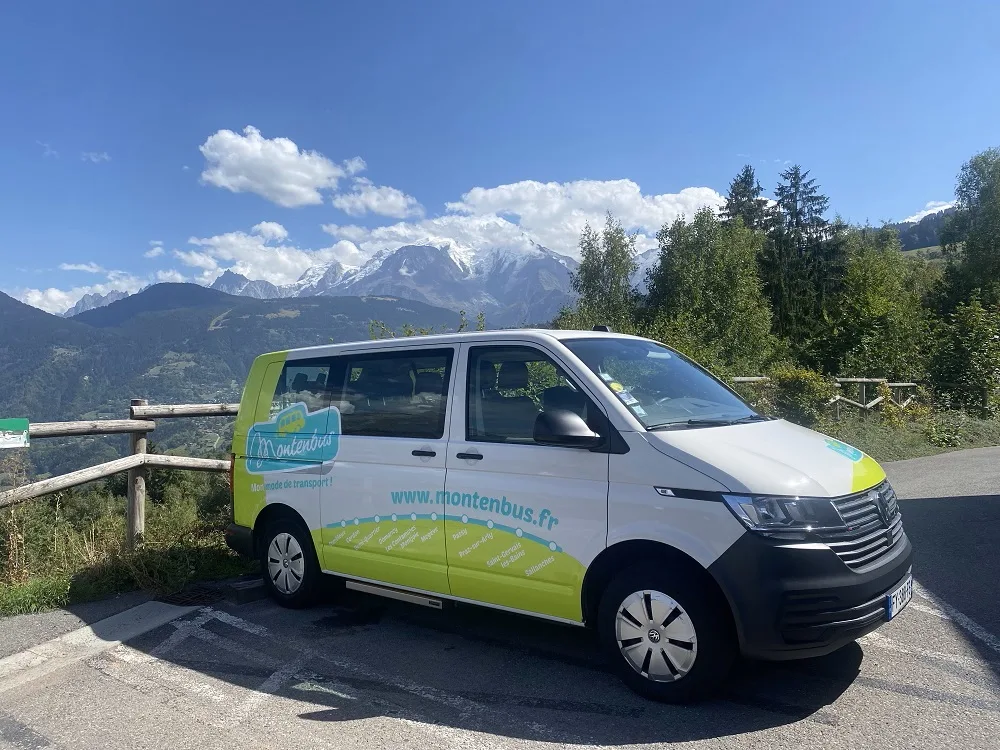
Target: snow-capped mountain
x=513 y=287
x=318 y=280
x=240 y=286
x=93 y=301
x=645 y=261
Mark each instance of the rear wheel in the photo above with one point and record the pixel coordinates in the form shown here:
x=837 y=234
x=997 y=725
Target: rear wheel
x=288 y=563
x=666 y=637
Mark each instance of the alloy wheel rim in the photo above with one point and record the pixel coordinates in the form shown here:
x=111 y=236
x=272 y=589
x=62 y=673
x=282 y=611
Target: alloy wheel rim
x=285 y=563
x=656 y=636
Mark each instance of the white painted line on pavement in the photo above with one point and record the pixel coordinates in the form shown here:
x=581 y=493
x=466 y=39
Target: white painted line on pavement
x=888 y=644
x=84 y=643
x=264 y=692
x=929 y=610
x=965 y=621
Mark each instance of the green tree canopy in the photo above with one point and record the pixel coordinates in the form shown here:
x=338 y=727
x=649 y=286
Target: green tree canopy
x=880 y=328
x=604 y=279
x=705 y=288
x=972 y=234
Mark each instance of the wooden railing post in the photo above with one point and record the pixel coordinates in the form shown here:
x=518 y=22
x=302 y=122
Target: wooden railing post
x=137 y=487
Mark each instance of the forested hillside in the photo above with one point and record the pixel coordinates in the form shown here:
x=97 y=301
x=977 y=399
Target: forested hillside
x=781 y=288
x=172 y=343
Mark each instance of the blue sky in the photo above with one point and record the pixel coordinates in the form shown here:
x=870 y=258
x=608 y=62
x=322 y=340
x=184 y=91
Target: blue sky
x=391 y=122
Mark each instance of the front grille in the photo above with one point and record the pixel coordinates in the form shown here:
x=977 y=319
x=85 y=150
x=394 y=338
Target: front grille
x=815 y=616
x=874 y=527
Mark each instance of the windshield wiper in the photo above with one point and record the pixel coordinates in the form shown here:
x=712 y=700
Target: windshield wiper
x=709 y=422
x=690 y=423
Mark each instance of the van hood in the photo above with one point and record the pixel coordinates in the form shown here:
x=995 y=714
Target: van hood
x=774 y=457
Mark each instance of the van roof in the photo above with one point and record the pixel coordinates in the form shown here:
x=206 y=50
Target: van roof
x=540 y=335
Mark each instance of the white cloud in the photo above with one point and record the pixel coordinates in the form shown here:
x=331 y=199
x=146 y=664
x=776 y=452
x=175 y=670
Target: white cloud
x=95 y=157
x=196 y=259
x=350 y=232
x=931 y=207
x=86 y=267
x=171 y=276
x=47 y=150
x=552 y=214
x=555 y=213
x=260 y=254
x=366 y=197
x=155 y=249
x=273 y=168
x=354 y=165
x=58 y=301
x=270 y=230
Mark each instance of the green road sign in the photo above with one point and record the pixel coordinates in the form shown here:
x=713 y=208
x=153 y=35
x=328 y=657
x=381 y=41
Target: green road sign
x=13 y=433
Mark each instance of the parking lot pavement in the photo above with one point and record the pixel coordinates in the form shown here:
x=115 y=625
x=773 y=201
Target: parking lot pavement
x=367 y=672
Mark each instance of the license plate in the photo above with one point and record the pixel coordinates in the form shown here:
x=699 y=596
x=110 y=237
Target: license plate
x=898 y=598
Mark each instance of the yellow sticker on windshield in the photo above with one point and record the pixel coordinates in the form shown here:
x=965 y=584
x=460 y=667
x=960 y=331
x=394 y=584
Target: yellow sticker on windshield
x=616 y=386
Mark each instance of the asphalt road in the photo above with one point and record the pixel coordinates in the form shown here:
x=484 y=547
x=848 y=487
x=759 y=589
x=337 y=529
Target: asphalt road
x=371 y=673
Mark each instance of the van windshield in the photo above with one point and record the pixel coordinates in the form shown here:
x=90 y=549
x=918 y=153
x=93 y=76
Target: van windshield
x=662 y=388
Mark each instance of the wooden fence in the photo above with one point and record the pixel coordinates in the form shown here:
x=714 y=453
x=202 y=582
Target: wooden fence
x=901 y=394
x=140 y=424
x=137 y=463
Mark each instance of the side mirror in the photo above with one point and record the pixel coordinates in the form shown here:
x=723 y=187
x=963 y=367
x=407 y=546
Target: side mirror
x=564 y=428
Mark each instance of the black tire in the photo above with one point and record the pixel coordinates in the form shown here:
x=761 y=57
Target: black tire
x=714 y=643
x=278 y=544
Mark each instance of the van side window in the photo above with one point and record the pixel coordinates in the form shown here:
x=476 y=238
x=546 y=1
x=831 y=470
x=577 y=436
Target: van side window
x=304 y=381
x=509 y=386
x=396 y=394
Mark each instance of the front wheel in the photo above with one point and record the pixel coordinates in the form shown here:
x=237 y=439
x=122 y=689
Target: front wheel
x=667 y=638
x=288 y=563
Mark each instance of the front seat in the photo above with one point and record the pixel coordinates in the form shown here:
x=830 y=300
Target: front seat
x=514 y=415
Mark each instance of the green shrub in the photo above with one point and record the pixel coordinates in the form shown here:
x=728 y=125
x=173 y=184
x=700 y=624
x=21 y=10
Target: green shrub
x=800 y=395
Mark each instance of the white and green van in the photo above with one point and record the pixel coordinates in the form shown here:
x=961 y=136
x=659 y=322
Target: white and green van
x=583 y=477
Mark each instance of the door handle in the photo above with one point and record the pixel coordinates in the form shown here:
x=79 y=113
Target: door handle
x=423 y=453
x=470 y=456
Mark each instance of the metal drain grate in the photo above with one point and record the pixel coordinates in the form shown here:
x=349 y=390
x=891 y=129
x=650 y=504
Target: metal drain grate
x=193 y=596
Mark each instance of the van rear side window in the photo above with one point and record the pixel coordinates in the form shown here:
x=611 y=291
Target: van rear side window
x=397 y=394
x=302 y=382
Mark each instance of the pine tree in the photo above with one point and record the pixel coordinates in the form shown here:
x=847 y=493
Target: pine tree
x=802 y=262
x=745 y=200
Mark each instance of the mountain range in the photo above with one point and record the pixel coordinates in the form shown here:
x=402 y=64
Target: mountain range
x=513 y=288
x=93 y=301
x=526 y=286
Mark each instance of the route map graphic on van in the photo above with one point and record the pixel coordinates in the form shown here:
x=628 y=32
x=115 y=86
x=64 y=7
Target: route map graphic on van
x=294 y=437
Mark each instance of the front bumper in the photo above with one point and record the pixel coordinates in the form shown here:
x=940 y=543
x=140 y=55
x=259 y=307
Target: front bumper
x=794 y=600
x=240 y=539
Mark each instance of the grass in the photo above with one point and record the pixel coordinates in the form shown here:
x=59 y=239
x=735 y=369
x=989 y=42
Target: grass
x=942 y=431
x=69 y=547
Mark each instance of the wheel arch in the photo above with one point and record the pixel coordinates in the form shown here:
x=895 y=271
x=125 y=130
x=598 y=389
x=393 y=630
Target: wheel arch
x=625 y=554
x=270 y=513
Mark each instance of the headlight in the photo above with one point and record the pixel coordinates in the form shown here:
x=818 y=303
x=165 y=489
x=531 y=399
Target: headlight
x=784 y=516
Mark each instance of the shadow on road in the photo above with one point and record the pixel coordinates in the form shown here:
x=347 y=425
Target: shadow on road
x=485 y=671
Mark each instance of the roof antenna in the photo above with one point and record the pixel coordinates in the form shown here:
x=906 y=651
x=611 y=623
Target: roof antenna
x=604 y=329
